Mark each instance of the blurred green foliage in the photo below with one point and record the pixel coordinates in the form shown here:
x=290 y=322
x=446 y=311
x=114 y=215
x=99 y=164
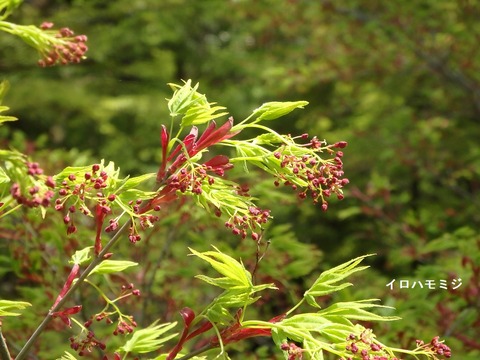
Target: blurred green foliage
x=399 y=81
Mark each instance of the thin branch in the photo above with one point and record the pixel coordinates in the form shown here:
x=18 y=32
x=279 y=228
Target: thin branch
x=96 y=261
x=147 y=288
x=4 y=353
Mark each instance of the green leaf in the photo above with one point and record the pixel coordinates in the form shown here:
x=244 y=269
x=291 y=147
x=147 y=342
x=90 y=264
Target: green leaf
x=148 y=339
x=329 y=281
x=184 y=98
x=316 y=333
x=355 y=310
x=67 y=356
x=4 y=118
x=306 y=322
x=111 y=266
x=219 y=314
x=237 y=283
x=4 y=179
x=81 y=256
x=71 y=170
x=267 y=139
x=129 y=183
x=4 y=85
x=201 y=114
x=7 y=7
x=274 y=110
x=6 y=307
x=235 y=274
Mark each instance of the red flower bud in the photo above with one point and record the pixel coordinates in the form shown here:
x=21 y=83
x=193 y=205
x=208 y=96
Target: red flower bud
x=340 y=144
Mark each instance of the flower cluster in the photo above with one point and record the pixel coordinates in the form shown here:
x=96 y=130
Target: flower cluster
x=319 y=178
x=192 y=181
x=64 y=47
x=192 y=145
x=129 y=289
x=38 y=193
x=85 y=343
x=146 y=220
x=178 y=175
x=93 y=182
x=363 y=347
x=435 y=346
x=293 y=350
x=125 y=324
x=241 y=225
x=188 y=180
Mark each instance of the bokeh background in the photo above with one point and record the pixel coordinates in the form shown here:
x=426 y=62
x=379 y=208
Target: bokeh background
x=398 y=80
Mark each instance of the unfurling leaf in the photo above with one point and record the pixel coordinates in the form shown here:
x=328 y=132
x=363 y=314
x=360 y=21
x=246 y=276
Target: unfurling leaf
x=184 y=98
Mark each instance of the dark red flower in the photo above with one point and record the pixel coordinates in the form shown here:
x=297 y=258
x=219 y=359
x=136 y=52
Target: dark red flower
x=190 y=146
x=64 y=315
x=101 y=212
x=188 y=316
x=219 y=164
x=68 y=283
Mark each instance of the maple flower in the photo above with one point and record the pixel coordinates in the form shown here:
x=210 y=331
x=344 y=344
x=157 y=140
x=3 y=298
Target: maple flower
x=61 y=47
x=56 y=47
x=175 y=178
x=191 y=146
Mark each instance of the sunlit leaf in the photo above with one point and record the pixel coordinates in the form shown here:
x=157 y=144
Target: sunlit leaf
x=275 y=109
x=6 y=307
x=201 y=114
x=184 y=97
x=112 y=266
x=356 y=310
x=67 y=356
x=130 y=183
x=4 y=179
x=236 y=276
x=329 y=281
x=148 y=339
x=4 y=85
